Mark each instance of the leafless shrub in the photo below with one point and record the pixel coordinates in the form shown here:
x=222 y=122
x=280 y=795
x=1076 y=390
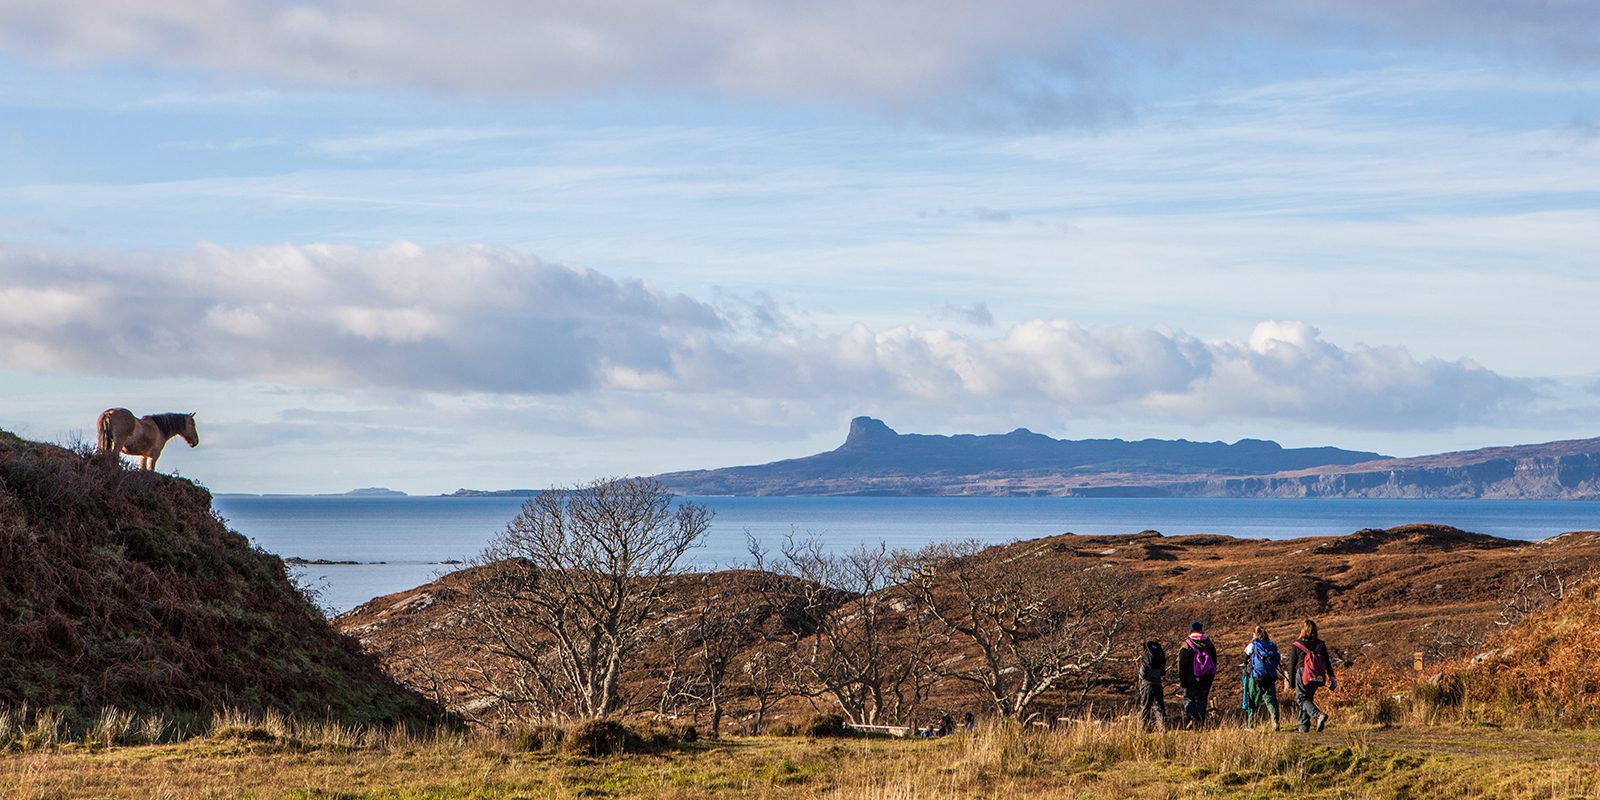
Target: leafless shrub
x=842 y=641
x=1033 y=631
x=1541 y=584
x=569 y=587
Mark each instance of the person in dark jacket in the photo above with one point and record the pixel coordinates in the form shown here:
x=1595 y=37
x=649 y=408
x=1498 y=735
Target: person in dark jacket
x=1197 y=668
x=1310 y=669
x=1152 y=677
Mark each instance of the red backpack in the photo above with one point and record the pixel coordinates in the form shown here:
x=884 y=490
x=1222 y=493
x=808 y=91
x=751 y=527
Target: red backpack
x=1314 y=667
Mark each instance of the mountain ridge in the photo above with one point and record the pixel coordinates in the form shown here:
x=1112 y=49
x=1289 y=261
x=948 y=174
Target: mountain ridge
x=877 y=460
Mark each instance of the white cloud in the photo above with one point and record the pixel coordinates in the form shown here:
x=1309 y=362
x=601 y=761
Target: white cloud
x=1035 y=60
x=479 y=321
x=441 y=319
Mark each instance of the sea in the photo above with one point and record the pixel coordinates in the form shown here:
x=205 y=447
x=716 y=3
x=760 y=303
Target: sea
x=398 y=543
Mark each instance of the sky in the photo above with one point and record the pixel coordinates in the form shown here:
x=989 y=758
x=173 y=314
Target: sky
x=499 y=244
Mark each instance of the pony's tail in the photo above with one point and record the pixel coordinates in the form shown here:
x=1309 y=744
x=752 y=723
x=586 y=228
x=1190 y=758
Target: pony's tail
x=105 y=432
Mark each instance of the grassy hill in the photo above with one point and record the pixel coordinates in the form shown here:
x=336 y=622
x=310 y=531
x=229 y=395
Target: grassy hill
x=123 y=589
x=1380 y=596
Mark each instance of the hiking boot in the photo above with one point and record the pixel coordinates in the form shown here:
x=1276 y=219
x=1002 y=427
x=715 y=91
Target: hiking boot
x=1322 y=722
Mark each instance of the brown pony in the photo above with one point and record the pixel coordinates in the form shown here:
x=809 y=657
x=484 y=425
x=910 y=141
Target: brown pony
x=121 y=432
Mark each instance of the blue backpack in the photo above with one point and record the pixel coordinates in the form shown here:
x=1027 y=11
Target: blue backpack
x=1263 y=660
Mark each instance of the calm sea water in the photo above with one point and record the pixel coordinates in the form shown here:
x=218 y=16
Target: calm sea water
x=414 y=535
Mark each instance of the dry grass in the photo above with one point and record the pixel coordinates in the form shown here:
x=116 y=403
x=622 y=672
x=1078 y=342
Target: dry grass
x=122 y=588
x=274 y=756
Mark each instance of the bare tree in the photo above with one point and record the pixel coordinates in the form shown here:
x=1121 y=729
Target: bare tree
x=911 y=674
x=699 y=645
x=1033 y=630
x=719 y=630
x=761 y=676
x=1537 y=587
x=842 y=647
x=570 y=585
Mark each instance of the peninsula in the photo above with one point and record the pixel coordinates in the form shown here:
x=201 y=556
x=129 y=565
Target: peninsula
x=876 y=460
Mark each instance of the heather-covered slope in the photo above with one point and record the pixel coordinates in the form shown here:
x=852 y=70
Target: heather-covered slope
x=122 y=589
x=1546 y=669
x=1380 y=595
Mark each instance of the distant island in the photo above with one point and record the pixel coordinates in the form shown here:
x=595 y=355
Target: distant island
x=877 y=460
x=370 y=491
x=493 y=493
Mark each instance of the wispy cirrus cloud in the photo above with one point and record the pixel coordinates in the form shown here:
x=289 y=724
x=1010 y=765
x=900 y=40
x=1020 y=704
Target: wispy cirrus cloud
x=475 y=320
x=1027 y=61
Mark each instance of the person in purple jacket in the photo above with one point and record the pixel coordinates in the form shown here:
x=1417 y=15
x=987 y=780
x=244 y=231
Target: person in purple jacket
x=1197 y=669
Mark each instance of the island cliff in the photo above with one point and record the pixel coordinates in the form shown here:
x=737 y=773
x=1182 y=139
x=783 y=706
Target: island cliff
x=876 y=460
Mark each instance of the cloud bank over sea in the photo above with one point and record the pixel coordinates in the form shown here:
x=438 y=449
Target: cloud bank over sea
x=489 y=321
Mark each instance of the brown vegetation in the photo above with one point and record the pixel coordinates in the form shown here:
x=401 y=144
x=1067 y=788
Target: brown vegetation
x=1543 y=671
x=273 y=757
x=122 y=589
x=852 y=633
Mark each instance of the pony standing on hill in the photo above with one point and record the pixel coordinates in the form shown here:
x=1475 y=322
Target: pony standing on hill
x=121 y=432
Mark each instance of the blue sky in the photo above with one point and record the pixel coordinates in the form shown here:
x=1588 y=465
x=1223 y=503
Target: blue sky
x=530 y=243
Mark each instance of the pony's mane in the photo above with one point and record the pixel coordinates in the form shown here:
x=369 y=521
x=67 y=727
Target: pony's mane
x=170 y=424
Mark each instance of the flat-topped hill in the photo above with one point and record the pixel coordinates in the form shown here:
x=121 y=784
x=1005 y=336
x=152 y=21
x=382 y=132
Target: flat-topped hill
x=875 y=459
x=123 y=589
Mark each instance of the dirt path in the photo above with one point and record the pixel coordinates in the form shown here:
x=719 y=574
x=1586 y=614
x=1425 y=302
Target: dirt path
x=1483 y=742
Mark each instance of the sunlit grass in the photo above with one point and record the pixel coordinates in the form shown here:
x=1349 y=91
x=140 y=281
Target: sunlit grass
x=274 y=756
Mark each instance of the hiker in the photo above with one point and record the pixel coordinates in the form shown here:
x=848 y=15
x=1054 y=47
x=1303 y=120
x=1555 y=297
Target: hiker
x=947 y=725
x=1261 y=676
x=1197 y=668
x=968 y=723
x=1152 y=676
x=1309 y=670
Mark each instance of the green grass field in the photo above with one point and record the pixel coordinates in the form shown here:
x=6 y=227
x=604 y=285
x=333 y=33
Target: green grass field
x=1085 y=761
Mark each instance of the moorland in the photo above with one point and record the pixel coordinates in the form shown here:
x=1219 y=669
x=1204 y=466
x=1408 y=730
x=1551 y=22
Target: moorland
x=154 y=653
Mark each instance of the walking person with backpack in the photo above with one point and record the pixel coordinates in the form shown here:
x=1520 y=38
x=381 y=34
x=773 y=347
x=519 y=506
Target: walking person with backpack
x=1152 y=677
x=1261 y=677
x=1197 y=669
x=1309 y=670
